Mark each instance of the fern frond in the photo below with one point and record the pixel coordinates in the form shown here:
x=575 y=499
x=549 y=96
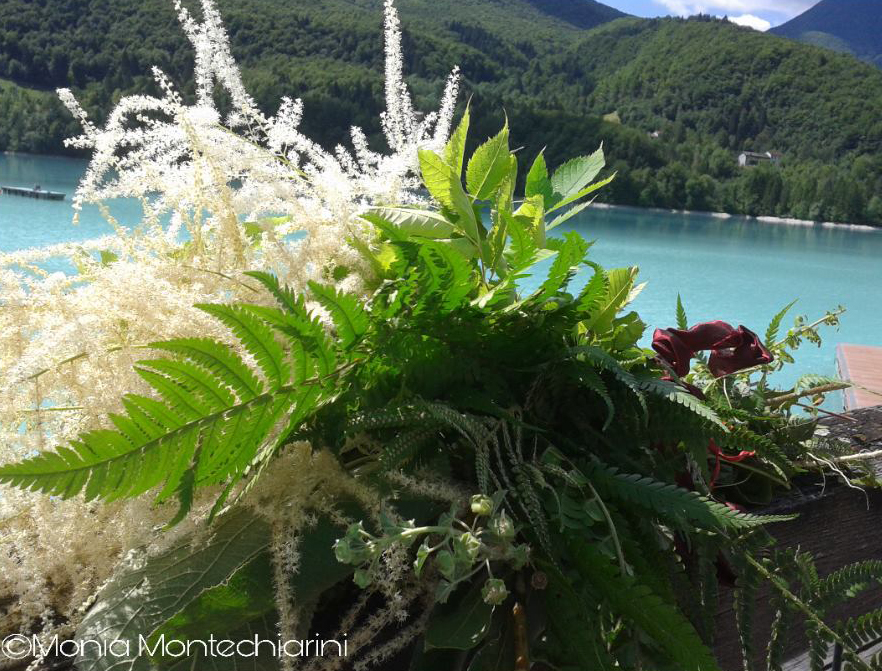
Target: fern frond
x=349 y=317
x=219 y=360
x=565 y=265
x=745 y=607
x=847 y=582
x=216 y=416
x=406 y=446
x=407 y=415
x=859 y=631
x=591 y=380
x=661 y=621
x=819 y=647
x=682 y=321
x=256 y=336
x=671 y=392
x=775 y=324
x=454 y=274
x=674 y=504
x=286 y=298
x=605 y=361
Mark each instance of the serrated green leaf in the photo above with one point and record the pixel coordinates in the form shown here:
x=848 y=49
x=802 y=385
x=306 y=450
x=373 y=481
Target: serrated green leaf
x=538 y=183
x=408 y=221
x=775 y=324
x=445 y=187
x=576 y=174
x=454 y=151
x=488 y=166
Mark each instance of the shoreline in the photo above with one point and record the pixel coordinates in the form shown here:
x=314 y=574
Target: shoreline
x=764 y=219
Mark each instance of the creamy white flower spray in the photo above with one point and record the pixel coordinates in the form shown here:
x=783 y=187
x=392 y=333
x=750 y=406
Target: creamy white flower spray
x=223 y=194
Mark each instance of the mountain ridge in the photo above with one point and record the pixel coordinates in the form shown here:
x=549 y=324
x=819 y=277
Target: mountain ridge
x=853 y=26
x=673 y=100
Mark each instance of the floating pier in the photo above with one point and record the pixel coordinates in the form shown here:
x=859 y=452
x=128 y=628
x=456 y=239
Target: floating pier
x=36 y=192
x=862 y=366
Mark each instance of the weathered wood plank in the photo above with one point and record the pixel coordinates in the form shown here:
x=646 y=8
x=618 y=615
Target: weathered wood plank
x=862 y=366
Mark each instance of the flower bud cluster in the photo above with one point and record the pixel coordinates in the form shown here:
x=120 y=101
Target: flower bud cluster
x=458 y=551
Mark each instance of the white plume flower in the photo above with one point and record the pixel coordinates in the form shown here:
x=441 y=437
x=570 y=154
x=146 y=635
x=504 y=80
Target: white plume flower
x=223 y=194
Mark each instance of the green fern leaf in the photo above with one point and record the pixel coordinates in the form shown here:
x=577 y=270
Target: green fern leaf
x=214 y=421
x=406 y=447
x=454 y=151
x=674 y=504
x=349 y=317
x=285 y=297
x=218 y=359
x=682 y=321
x=859 y=631
x=674 y=394
x=489 y=166
x=661 y=621
x=775 y=324
x=846 y=583
x=591 y=380
x=538 y=183
x=256 y=337
x=565 y=265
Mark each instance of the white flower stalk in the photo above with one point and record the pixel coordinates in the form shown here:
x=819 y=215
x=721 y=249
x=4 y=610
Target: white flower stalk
x=222 y=194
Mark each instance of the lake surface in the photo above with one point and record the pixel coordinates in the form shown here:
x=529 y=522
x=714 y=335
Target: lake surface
x=735 y=269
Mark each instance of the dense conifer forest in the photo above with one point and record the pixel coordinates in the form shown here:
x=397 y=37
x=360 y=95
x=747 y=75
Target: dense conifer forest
x=674 y=101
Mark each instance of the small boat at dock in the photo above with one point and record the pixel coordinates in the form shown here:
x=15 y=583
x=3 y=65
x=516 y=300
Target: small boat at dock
x=35 y=192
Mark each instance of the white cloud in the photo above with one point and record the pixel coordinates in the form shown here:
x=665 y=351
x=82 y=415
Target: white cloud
x=788 y=8
x=751 y=21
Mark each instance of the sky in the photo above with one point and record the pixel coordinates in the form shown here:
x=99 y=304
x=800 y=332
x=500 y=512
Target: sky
x=758 y=14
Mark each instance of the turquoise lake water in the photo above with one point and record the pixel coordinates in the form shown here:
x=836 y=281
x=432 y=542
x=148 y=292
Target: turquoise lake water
x=735 y=269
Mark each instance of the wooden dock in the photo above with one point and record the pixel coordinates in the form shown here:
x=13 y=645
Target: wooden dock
x=31 y=193
x=862 y=366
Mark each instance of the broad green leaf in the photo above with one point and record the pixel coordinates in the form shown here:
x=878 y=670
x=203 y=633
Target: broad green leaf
x=588 y=190
x=522 y=248
x=577 y=173
x=532 y=211
x=445 y=186
x=146 y=592
x=462 y=622
x=422 y=223
x=569 y=214
x=538 y=183
x=235 y=611
x=627 y=330
x=488 y=166
x=246 y=604
x=454 y=151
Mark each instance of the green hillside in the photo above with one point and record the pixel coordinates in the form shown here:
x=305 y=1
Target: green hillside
x=557 y=68
x=854 y=26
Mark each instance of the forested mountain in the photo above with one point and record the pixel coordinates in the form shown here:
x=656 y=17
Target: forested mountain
x=852 y=26
x=569 y=74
